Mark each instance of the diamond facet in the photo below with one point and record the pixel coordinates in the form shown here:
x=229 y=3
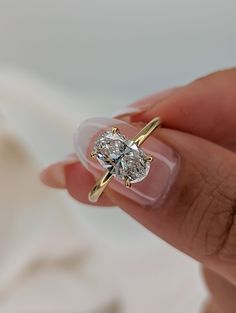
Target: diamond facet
x=122 y=157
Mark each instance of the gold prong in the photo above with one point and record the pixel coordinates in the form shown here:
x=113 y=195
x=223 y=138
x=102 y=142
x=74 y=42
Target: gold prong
x=115 y=130
x=149 y=158
x=127 y=183
x=93 y=154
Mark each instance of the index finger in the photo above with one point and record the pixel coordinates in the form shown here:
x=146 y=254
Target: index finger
x=205 y=108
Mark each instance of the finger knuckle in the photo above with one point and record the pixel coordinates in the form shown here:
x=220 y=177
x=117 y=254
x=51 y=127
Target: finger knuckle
x=210 y=219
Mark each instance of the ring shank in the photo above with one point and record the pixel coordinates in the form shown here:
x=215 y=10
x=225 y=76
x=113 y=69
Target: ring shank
x=146 y=131
x=99 y=187
x=102 y=183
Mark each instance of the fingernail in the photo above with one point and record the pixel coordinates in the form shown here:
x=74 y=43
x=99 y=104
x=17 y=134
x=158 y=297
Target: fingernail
x=54 y=175
x=164 y=166
x=140 y=105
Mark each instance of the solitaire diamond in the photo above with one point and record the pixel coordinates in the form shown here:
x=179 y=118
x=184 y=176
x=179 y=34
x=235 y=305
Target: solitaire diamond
x=121 y=157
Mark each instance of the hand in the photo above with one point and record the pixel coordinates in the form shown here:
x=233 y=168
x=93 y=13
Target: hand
x=197 y=215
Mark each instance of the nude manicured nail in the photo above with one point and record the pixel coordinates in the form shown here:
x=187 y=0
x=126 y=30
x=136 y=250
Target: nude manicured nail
x=164 y=167
x=145 y=103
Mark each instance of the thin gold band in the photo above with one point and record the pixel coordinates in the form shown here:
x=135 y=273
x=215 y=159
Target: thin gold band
x=102 y=183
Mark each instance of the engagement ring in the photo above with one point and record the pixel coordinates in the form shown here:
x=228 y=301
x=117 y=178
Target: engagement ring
x=122 y=157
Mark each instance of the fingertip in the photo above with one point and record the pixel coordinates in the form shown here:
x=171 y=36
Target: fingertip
x=54 y=176
x=79 y=181
x=70 y=174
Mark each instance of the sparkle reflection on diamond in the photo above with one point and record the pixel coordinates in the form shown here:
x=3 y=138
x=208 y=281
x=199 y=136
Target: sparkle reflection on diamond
x=121 y=157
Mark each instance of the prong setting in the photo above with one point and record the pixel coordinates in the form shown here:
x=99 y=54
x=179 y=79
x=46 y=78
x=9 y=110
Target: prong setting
x=93 y=154
x=115 y=130
x=127 y=183
x=121 y=157
x=149 y=158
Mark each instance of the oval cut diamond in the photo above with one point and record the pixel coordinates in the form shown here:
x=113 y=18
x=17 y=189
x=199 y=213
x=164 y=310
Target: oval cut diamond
x=121 y=156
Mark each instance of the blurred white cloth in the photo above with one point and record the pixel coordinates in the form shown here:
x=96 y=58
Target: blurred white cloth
x=44 y=255
x=47 y=262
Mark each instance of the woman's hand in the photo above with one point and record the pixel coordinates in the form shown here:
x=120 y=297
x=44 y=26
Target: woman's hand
x=197 y=215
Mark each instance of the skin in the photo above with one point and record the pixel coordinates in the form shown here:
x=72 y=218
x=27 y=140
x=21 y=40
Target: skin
x=198 y=215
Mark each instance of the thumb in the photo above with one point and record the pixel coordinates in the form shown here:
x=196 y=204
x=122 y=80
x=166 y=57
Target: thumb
x=188 y=197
